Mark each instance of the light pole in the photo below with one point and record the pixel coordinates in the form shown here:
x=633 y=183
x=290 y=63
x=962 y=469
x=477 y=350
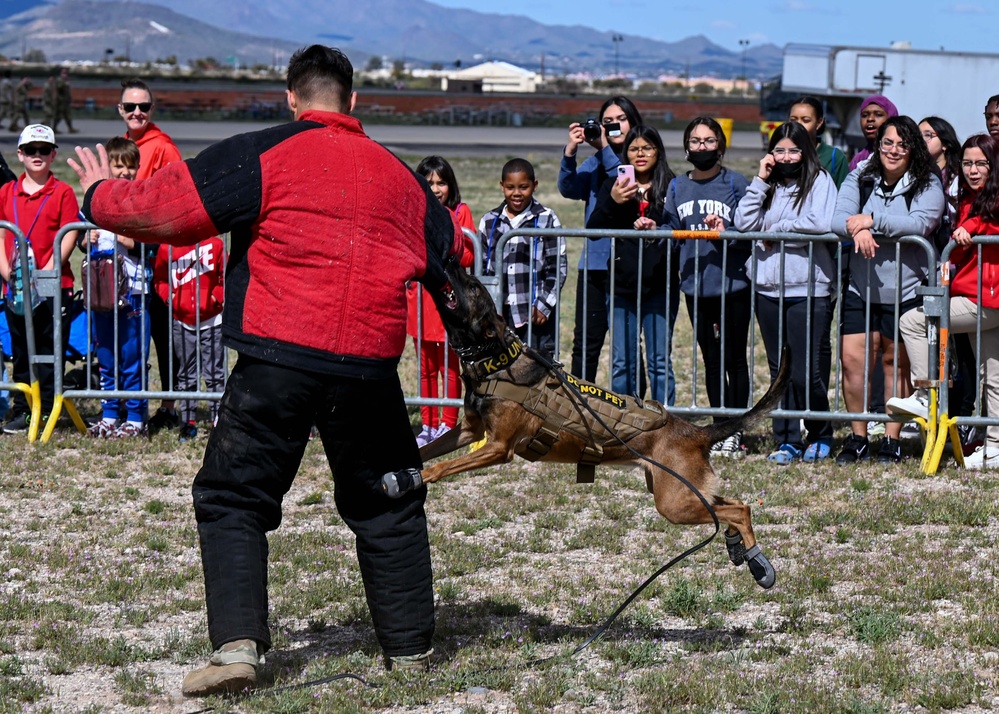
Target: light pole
x=616 y=39
x=744 y=44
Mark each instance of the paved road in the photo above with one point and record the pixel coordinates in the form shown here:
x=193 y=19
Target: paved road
x=192 y=137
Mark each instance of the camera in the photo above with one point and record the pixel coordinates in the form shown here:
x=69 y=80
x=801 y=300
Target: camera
x=591 y=129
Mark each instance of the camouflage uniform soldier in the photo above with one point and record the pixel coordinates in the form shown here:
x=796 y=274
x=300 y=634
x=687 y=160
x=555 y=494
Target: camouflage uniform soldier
x=49 y=101
x=63 y=101
x=6 y=97
x=20 y=104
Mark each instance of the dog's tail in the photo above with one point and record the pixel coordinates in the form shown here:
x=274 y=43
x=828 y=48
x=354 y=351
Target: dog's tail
x=722 y=430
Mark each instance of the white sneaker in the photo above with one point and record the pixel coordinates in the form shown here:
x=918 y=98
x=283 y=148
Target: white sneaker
x=730 y=448
x=441 y=431
x=916 y=404
x=875 y=428
x=426 y=435
x=978 y=460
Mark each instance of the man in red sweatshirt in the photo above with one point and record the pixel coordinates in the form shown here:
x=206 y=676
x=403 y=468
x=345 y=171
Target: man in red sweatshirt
x=326 y=227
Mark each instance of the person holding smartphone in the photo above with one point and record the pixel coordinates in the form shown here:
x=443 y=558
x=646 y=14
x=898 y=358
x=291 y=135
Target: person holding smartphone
x=582 y=182
x=633 y=199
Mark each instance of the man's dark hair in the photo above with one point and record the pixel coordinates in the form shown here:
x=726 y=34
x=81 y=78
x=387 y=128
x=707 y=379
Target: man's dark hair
x=319 y=72
x=518 y=166
x=136 y=83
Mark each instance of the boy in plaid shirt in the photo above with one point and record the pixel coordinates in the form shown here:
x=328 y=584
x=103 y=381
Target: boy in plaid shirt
x=535 y=267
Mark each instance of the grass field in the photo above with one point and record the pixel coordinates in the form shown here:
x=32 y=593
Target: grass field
x=886 y=598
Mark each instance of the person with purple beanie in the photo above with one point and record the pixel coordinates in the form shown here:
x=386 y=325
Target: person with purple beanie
x=874 y=112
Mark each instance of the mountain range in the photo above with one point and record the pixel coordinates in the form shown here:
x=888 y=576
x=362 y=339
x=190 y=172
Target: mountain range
x=417 y=31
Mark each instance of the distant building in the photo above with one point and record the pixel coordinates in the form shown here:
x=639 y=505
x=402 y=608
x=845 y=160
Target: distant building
x=494 y=77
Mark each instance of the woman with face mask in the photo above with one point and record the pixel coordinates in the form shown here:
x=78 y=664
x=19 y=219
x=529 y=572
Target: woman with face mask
x=793 y=193
x=705 y=199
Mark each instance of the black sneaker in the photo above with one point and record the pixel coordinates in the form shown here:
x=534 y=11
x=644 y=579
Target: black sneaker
x=17 y=424
x=855 y=448
x=187 y=432
x=163 y=419
x=971 y=438
x=890 y=451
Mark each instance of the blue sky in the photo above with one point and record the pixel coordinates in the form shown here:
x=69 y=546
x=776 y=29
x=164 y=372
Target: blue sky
x=956 y=25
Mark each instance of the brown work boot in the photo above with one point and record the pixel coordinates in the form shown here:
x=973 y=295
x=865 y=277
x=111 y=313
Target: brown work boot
x=409 y=663
x=232 y=668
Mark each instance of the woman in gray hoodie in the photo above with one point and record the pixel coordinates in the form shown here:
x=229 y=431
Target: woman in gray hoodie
x=896 y=193
x=793 y=193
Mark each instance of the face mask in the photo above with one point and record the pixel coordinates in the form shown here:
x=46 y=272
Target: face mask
x=786 y=171
x=704 y=160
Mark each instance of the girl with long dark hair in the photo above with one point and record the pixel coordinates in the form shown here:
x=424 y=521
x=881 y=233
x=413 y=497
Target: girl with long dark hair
x=640 y=302
x=705 y=199
x=978 y=214
x=440 y=370
x=896 y=193
x=793 y=193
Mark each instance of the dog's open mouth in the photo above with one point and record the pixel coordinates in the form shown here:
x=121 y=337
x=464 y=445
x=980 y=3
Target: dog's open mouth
x=450 y=298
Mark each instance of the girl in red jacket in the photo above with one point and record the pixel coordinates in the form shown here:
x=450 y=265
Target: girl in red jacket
x=431 y=342
x=978 y=215
x=191 y=280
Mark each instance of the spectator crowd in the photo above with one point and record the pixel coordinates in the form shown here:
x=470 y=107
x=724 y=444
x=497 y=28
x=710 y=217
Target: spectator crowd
x=910 y=179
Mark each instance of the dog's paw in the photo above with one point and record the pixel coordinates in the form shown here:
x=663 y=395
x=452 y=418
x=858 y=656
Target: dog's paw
x=736 y=548
x=761 y=568
x=397 y=483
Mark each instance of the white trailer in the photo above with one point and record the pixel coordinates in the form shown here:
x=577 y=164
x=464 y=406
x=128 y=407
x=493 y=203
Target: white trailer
x=921 y=83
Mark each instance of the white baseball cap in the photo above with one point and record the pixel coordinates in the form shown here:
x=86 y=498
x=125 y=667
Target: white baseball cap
x=37 y=133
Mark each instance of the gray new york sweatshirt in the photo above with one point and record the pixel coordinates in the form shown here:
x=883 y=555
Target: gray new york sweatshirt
x=687 y=204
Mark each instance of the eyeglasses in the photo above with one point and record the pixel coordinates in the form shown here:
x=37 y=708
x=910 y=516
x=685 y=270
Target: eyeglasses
x=790 y=153
x=887 y=146
x=32 y=150
x=929 y=135
x=706 y=143
x=980 y=165
x=141 y=106
x=641 y=150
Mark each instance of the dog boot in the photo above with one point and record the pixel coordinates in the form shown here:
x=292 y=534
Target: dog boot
x=232 y=668
x=399 y=482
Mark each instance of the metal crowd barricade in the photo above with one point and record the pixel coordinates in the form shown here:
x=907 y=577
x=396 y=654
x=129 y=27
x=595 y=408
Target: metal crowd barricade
x=31 y=390
x=930 y=292
x=64 y=398
x=941 y=425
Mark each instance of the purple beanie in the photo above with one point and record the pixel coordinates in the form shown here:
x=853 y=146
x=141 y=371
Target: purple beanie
x=883 y=102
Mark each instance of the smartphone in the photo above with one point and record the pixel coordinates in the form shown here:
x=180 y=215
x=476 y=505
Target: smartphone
x=613 y=129
x=628 y=171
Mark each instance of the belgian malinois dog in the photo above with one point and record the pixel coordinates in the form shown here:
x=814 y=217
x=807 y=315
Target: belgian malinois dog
x=496 y=366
